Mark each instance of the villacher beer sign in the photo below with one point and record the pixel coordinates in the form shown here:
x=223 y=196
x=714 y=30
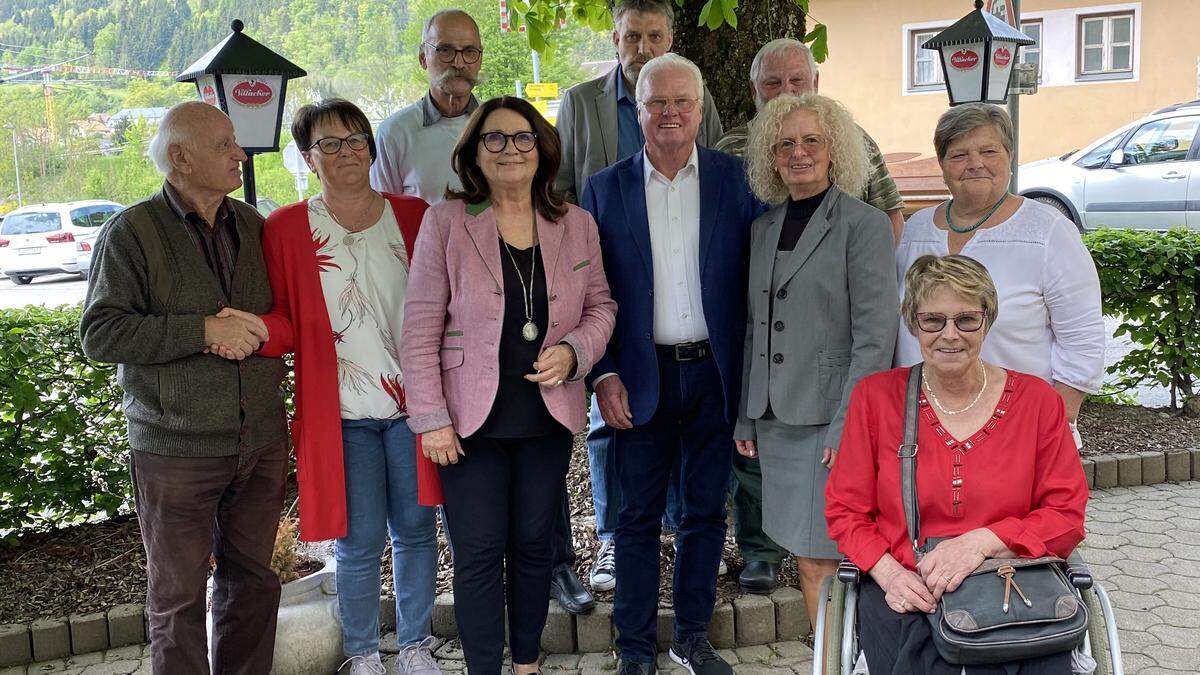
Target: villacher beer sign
x=209 y=95
x=252 y=93
x=1001 y=57
x=964 y=59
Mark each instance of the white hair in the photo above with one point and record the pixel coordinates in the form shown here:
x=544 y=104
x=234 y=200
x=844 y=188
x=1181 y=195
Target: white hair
x=173 y=130
x=668 y=61
x=778 y=46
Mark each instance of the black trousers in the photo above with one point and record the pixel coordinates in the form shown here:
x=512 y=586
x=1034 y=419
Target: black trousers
x=502 y=500
x=901 y=644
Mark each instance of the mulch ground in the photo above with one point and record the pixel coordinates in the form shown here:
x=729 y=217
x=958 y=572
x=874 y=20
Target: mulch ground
x=92 y=567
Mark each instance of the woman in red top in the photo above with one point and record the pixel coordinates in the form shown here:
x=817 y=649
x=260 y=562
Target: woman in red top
x=999 y=472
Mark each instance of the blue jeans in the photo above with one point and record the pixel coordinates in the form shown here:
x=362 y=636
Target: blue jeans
x=606 y=489
x=381 y=497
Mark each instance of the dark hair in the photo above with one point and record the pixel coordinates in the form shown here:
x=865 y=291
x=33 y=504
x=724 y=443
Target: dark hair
x=548 y=201
x=308 y=117
x=653 y=6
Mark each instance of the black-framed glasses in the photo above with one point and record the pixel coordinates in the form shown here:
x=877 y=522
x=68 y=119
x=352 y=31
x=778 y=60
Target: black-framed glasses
x=446 y=53
x=496 y=141
x=811 y=143
x=657 y=106
x=332 y=145
x=967 y=322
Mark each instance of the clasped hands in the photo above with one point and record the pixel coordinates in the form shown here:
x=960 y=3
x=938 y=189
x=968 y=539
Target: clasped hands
x=940 y=571
x=233 y=334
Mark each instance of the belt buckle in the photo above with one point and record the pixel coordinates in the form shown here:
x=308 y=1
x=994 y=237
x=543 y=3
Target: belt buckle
x=678 y=352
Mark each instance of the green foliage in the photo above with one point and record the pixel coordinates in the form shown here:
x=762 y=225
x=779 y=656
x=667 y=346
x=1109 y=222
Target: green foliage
x=62 y=433
x=1151 y=280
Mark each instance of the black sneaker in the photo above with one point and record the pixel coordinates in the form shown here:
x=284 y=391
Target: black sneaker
x=696 y=654
x=636 y=668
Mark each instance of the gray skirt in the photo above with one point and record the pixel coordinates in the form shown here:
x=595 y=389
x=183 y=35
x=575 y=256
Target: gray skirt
x=793 y=487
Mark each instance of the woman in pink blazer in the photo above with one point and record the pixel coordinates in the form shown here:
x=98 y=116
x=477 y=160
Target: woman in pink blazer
x=506 y=311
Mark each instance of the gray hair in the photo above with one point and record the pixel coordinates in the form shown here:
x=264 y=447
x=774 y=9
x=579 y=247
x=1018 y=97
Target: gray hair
x=963 y=119
x=443 y=13
x=668 y=61
x=656 y=6
x=174 y=129
x=849 y=167
x=778 y=46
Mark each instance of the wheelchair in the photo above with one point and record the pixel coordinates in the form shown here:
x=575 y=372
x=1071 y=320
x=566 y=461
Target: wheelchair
x=835 y=639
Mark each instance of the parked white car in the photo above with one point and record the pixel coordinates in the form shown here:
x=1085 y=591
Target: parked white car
x=43 y=239
x=1145 y=175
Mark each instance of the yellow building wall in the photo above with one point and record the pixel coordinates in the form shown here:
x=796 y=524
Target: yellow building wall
x=866 y=71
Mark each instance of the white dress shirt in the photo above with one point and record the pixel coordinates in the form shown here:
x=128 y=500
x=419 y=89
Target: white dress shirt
x=1050 y=322
x=673 y=212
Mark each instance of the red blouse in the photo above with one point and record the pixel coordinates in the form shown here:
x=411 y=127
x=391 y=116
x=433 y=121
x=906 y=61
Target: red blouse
x=1020 y=475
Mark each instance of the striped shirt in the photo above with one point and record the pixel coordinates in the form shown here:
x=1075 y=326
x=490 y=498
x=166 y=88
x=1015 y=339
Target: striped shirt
x=219 y=242
x=880 y=192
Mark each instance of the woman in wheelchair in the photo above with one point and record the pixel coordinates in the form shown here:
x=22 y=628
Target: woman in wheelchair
x=999 y=475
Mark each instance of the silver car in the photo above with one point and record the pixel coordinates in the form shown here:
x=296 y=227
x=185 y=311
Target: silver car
x=1145 y=175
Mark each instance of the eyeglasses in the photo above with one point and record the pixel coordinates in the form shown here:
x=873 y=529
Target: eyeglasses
x=332 y=145
x=657 y=106
x=496 y=141
x=446 y=53
x=967 y=322
x=787 y=146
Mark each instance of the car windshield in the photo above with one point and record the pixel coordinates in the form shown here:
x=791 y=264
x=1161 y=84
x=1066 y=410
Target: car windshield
x=33 y=222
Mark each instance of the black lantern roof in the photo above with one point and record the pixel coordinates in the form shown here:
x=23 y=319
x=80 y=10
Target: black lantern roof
x=977 y=27
x=240 y=54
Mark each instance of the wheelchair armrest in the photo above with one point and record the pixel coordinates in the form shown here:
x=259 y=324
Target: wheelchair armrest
x=1078 y=573
x=848 y=572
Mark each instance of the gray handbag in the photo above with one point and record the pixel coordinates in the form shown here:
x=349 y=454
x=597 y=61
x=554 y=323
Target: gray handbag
x=1008 y=608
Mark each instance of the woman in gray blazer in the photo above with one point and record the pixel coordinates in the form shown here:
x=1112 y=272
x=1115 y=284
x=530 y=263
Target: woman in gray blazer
x=822 y=312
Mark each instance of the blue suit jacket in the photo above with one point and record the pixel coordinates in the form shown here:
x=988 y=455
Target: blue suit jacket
x=616 y=198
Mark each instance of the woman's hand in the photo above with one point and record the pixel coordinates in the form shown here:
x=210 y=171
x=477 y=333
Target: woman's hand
x=441 y=445
x=828 y=457
x=746 y=448
x=945 y=567
x=903 y=590
x=554 y=365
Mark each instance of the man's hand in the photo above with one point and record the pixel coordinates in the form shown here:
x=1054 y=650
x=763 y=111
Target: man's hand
x=554 y=366
x=614 y=402
x=233 y=334
x=441 y=446
x=747 y=448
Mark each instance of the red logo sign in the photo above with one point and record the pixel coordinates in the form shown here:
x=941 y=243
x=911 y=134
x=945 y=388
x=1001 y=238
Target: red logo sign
x=964 y=59
x=1001 y=57
x=252 y=93
x=209 y=95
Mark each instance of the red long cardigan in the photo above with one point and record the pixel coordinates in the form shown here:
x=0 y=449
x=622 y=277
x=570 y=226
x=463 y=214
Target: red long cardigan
x=298 y=322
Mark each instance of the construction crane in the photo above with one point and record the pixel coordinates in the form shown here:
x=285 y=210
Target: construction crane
x=47 y=91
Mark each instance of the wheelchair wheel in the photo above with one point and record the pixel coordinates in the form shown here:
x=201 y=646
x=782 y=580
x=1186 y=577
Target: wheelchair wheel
x=835 y=614
x=1098 y=641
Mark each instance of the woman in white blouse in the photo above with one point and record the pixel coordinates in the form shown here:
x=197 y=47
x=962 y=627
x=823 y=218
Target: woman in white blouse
x=1050 y=319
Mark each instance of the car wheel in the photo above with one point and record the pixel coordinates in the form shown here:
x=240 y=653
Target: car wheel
x=1060 y=207
x=21 y=280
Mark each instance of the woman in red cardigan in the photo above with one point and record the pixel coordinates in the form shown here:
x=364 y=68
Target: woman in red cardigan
x=338 y=265
x=999 y=472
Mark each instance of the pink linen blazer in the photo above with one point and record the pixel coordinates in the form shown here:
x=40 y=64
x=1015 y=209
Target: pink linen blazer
x=454 y=308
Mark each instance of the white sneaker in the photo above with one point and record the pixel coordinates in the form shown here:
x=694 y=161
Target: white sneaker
x=604 y=570
x=417 y=659
x=366 y=664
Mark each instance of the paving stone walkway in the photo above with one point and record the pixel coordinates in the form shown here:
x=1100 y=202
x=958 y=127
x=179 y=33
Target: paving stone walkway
x=1143 y=544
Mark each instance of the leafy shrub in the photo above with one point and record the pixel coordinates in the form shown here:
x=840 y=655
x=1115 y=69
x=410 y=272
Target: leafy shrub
x=1150 y=281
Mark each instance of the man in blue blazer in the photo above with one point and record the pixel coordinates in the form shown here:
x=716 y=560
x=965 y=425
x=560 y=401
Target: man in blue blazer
x=674 y=228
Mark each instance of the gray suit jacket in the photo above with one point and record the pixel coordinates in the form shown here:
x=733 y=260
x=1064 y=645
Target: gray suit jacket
x=830 y=320
x=587 y=127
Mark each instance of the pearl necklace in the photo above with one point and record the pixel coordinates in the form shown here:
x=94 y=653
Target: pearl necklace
x=933 y=397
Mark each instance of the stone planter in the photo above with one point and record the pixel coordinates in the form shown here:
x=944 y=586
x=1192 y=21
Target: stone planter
x=308 y=636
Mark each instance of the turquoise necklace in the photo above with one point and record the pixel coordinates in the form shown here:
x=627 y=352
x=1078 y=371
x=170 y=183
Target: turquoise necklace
x=981 y=221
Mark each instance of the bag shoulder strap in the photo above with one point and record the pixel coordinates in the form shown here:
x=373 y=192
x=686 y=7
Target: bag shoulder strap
x=908 y=458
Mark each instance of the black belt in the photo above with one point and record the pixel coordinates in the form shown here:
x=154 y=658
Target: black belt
x=685 y=351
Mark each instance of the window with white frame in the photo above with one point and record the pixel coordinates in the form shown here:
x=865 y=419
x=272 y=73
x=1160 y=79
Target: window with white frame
x=925 y=65
x=1105 y=44
x=1033 y=53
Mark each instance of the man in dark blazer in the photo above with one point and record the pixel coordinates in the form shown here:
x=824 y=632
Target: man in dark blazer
x=674 y=229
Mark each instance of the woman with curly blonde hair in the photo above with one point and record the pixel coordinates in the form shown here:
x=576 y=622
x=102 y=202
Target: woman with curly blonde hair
x=823 y=312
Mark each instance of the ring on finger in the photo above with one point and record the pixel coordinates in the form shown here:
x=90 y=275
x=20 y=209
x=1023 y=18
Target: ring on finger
x=946 y=577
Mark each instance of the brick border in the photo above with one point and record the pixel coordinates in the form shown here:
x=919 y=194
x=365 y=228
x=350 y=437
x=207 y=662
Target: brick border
x=742 y=622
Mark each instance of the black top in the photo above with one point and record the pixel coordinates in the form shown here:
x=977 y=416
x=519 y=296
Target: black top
x=799 y=212
x=519 y=411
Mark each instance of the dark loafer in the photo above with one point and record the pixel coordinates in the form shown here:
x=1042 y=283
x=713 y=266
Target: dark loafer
x=759 y=577
x=570 y=591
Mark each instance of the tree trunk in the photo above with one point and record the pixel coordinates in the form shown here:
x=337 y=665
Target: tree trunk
x=724 y=55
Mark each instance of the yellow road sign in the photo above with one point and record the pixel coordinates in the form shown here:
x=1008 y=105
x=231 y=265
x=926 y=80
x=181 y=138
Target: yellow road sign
x=541 y=106
x=542 y=89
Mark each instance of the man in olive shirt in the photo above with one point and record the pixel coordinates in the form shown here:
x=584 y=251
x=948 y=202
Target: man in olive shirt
x=786 y=66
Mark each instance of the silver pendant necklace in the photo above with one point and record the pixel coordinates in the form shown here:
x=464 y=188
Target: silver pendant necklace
x=530 y=330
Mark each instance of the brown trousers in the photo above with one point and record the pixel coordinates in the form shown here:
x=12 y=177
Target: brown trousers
x=189 y=508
